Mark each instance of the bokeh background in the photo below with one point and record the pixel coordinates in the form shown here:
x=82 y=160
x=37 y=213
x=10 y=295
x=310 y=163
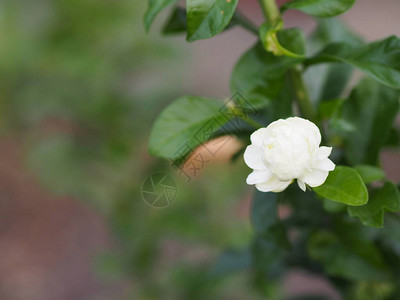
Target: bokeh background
x=81 y=84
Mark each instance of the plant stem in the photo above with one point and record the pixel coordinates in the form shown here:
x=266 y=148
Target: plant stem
x=245 y=23
x=303 y=99
x=271 y=11
x=238 y=112
x=272 y=15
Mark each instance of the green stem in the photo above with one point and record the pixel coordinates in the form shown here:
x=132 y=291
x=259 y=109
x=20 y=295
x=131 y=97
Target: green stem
x=245 y=23
x=238 y=112
x=273 y=15
x=303 y=99
x=271 y=11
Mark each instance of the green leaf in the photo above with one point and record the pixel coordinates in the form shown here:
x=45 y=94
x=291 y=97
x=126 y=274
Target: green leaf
x=380 y=60
x=184 y=125
x=390 y=237
x=370 y=173
x=259 y=76
x=386 y=198
x=344 y=185
x=330 y=108
x=336 y=79
x=332 y=206
x=393 y=139
x=155 y=6
x=206 y=18
x=176 y=22
x=281 y=107
x=309 y=212
x=347 y=255
x=264 y=211
x=370 y=112
x=279 y=41
x=327 y=81
x=331 y=31
x=320 y=8
x=271 y=241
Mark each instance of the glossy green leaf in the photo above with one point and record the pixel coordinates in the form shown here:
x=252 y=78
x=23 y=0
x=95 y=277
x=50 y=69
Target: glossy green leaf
x=331 y=31
x=369 y=112
x=386 y=198
x=320 y=8
x=344 y=185
x=259 y=75
x=328 y=81
x=206 y=18
x=176 y=22
x=370 y=173
x=347 y=255
x=279 y=41
x=184 y=125
x=292 y=39
x=380 y=60
x=155 y=6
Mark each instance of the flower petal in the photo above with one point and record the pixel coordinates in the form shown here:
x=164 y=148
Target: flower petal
x=256 y=137
x=258 y=177
x=315 y=178
x=324 y=152
x=301 y=184
x=253 y=157
x=273 y=185
x=324 y=165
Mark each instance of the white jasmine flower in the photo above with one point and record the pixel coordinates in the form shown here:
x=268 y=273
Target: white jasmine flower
x=287 y=150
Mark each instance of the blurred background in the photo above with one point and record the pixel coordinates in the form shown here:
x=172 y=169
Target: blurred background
x=81 y=84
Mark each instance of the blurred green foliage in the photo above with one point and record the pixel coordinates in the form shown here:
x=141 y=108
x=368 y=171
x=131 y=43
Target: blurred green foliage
x=80 y=85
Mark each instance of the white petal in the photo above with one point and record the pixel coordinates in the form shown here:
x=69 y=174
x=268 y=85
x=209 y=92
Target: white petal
x=258 y=177
x=253 y=157
x=256 y=137
x=315 y=178
x=324 y=152
x=308 y=126
x=273 y=185
x=301 y=184
x=324 y=165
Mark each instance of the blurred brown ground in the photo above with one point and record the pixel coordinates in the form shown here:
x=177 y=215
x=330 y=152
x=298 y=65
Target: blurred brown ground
x=48 y=243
